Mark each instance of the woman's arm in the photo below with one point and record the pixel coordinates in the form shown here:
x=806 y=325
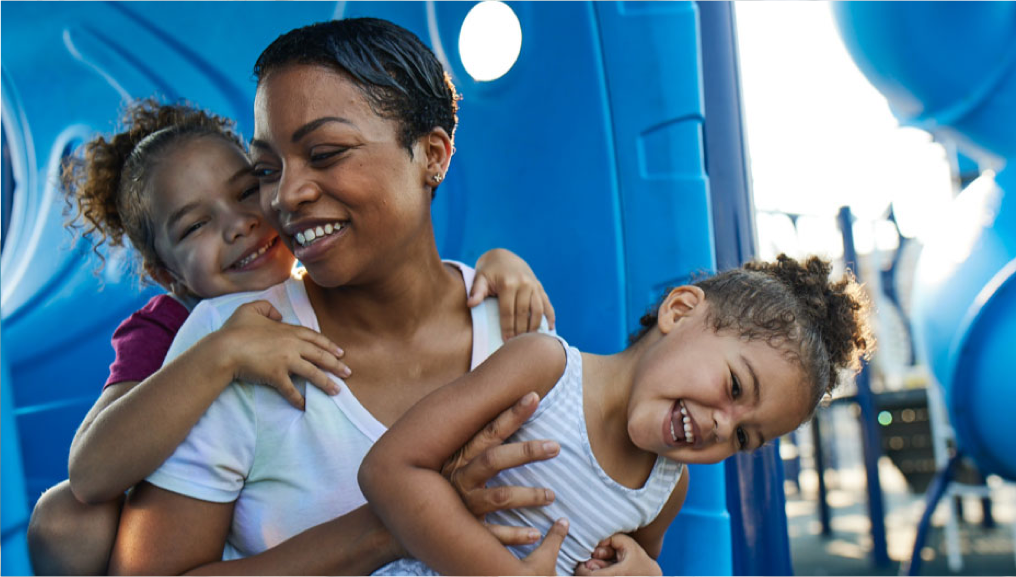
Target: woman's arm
x=401 y=475
x=520 y=297
x=167 y=533
x=134 y=427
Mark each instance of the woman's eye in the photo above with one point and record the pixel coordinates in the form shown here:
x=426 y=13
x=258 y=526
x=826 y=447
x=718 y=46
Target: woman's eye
x=318 y=156
x=735 y=386
x=264 y=173
x=742 y=439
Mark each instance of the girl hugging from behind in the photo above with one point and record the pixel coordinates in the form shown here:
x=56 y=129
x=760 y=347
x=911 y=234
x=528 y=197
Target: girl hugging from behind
x=176 y=183
x=724 y=365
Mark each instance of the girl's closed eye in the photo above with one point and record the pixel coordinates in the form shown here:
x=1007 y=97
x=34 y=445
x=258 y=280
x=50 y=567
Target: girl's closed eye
x=190 y=229
x=251 y=192
x=735 y=386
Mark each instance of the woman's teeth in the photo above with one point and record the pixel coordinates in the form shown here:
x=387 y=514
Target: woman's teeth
x=250 y=258
x=307 y=237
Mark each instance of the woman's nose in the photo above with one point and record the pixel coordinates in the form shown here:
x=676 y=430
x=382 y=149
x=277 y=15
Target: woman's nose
x=293 y=191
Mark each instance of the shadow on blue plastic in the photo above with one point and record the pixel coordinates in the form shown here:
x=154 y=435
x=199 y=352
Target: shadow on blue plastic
x=13 y=509
x=946 y=67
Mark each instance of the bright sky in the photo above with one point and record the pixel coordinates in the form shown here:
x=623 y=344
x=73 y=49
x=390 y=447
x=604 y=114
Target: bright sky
x=820 y=136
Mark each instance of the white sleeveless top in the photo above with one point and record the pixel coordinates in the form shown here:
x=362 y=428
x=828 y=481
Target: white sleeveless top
x=595 y=505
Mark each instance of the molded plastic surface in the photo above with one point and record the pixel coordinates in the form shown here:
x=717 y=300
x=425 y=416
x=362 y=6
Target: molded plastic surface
x=586 y=158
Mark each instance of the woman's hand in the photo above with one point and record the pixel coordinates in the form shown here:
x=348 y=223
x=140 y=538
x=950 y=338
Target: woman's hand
x=483 y=457
x=619 y=554
x=264 y=350
x=521 y=298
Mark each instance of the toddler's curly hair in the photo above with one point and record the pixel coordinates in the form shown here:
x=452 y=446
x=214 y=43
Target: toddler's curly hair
x=108 y=184
x=795 y=307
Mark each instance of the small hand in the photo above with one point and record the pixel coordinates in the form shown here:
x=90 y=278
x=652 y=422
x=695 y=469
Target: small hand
x=619 y=554
x=485 y=455
x=269 y=352
x=521 y=298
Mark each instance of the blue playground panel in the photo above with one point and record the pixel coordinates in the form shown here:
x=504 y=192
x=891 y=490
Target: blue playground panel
x=950 y=68
x=587 y=159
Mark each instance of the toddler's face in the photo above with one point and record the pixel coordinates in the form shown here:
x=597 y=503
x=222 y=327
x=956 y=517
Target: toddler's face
x=701 y=396
x=209 y=230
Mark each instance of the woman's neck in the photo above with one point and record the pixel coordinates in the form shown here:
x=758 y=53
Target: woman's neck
x=405 y=298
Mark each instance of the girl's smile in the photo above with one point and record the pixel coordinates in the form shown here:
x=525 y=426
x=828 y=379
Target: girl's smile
x=210 y=233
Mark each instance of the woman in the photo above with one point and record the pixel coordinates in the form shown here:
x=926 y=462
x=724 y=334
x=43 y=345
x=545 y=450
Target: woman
x=353 y=133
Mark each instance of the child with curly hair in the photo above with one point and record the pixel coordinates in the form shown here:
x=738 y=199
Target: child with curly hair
x=176 y=183
x=724 y=365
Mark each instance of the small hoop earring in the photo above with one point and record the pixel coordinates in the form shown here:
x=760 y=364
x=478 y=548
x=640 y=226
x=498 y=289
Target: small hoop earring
x=437 y=178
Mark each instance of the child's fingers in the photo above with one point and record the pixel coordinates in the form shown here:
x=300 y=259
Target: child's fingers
x=284 y=385
x=506 y=294
x=535 y=310
x=317 y=339
x=479 y=291
x=604 y=552
x=509 y=536
x=523 y=308
x=324 y=360
x=315 y=376
x=263 y=308
x=548 y=308
x=590 y=567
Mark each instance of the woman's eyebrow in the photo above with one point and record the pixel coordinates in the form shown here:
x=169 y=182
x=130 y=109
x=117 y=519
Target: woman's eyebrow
x=313 y=125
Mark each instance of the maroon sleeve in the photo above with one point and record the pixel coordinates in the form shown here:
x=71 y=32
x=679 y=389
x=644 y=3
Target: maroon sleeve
x=142 y=340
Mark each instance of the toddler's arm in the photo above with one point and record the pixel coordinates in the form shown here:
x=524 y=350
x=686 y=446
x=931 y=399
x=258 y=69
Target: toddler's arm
x=134 y=427
x=520 y=296
x=401 y=476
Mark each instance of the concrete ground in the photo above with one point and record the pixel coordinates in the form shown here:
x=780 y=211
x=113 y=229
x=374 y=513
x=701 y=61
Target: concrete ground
x=848 y=550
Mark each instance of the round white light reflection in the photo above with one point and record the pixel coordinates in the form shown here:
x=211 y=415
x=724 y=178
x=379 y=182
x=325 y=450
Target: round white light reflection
x=490 y=40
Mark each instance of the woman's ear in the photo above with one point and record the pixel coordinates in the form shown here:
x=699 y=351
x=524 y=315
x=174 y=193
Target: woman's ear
x=437 y=151
x=680 y=303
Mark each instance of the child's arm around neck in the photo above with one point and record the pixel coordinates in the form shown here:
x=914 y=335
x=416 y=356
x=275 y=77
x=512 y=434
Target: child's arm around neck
x=401 y=476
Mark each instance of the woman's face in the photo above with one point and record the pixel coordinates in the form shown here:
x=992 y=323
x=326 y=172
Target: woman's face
x=209 y=231
x=345 y=195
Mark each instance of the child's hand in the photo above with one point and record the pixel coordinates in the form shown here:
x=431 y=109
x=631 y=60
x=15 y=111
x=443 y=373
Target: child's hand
x=266 y=351
x=521 y=298
x=619 y=554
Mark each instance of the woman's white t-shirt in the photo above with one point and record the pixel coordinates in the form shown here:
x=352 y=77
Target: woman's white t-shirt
x=288 y=470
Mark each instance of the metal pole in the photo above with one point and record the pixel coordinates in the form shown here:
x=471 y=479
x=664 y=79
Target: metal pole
x=869 y=428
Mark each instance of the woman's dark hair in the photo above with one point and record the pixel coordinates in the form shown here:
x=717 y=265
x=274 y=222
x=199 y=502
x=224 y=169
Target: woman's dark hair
x=109 y=184
x=793 y=306
x=399 y=76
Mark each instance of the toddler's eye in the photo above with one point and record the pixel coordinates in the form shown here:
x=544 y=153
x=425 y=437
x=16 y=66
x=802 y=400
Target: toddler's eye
x=252 y=191
x=735 y=386
x=191 y=228
x=742 y=439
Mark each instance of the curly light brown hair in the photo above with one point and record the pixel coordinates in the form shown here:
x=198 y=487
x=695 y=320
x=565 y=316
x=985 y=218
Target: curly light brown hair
x=109 y=186
x=794 y=306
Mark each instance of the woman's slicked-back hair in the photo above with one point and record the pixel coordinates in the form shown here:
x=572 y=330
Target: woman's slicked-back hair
x=398 y=75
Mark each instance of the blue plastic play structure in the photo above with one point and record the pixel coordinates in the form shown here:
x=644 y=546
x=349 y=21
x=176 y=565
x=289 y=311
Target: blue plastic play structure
x=587 y=158
x=950 y=68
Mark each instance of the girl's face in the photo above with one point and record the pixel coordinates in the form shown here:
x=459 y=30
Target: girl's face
x=345 y=195
x=209 y=230
x=700 y=396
